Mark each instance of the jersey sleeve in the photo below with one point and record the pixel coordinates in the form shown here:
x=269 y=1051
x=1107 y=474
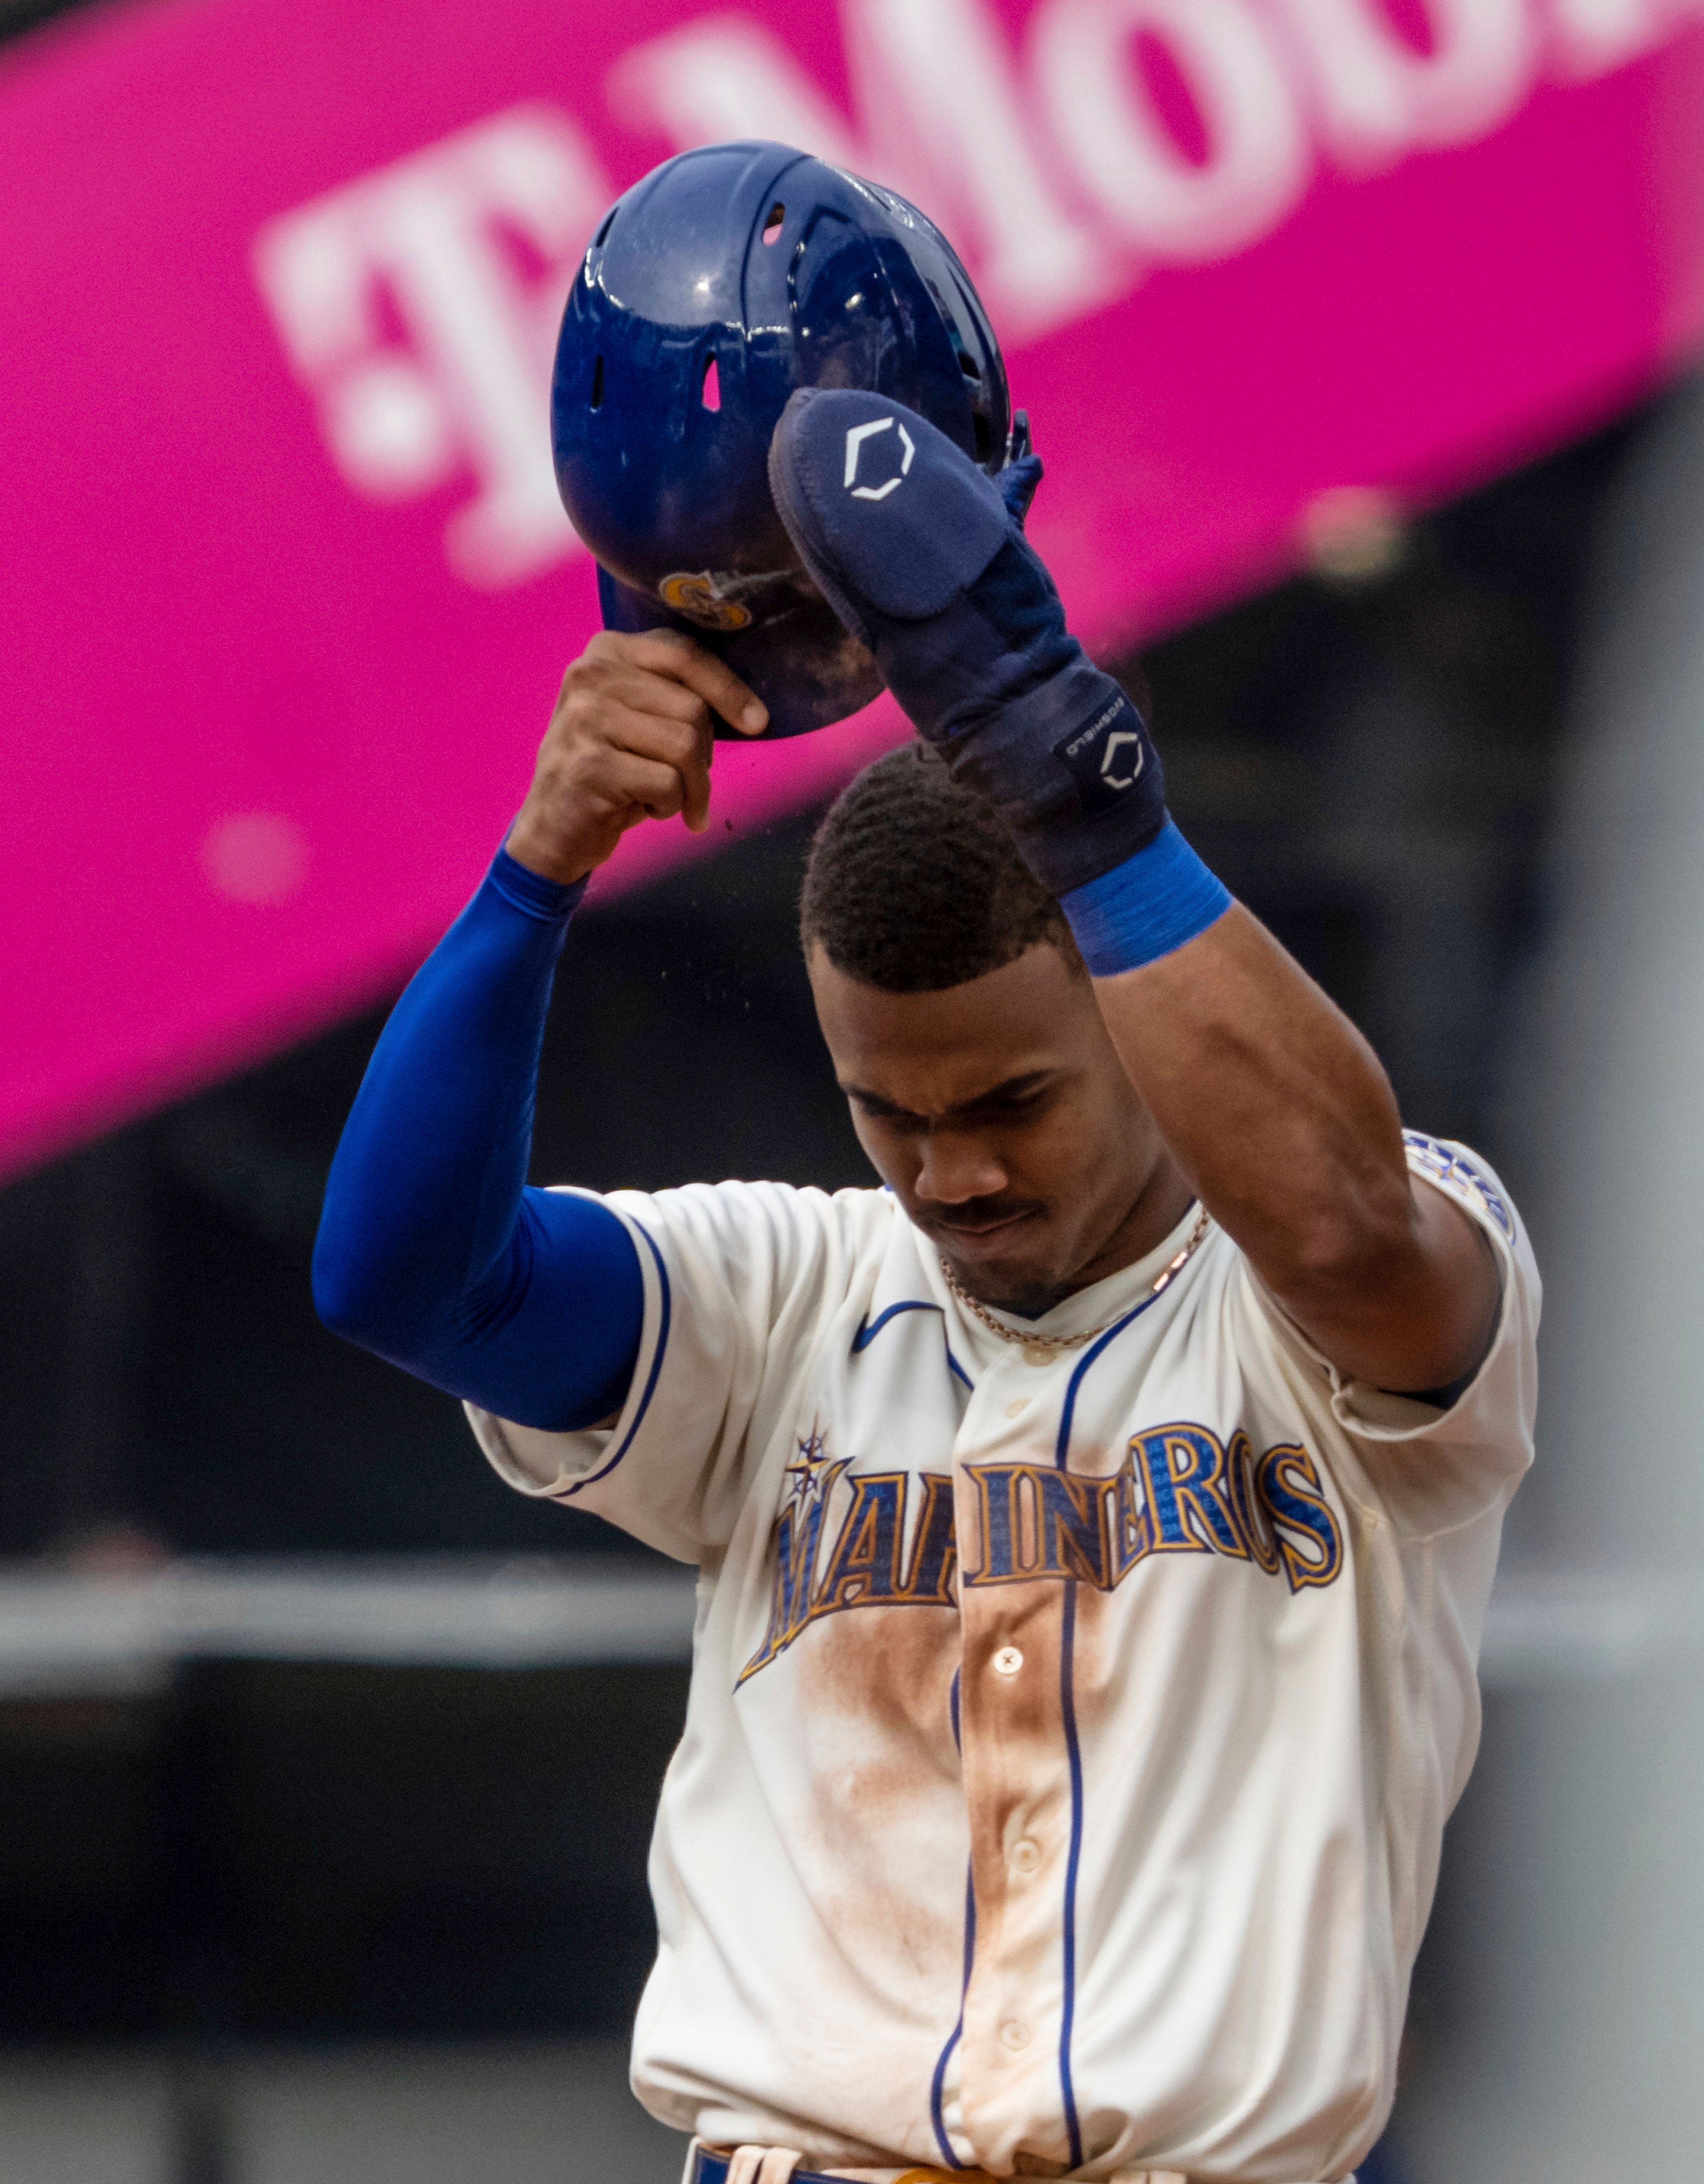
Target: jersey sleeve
x=737 y=1277
x=1431 y=1468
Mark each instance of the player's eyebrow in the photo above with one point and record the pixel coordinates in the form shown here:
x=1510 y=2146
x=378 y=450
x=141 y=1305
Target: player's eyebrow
x=1009 y=1091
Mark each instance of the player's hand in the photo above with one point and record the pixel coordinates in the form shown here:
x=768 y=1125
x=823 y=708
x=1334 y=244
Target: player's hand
x=630 y=739
x=926 y=564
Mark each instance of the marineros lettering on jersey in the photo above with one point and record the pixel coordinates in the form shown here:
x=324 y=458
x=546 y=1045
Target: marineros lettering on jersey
x=846 y=1539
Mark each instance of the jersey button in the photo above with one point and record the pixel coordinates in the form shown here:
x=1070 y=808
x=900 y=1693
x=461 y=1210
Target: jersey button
x=1026 y=1856
x=1014 y=2036
x=1008 y=1661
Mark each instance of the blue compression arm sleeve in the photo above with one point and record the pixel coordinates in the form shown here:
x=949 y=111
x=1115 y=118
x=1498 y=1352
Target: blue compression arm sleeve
x=433 y=1250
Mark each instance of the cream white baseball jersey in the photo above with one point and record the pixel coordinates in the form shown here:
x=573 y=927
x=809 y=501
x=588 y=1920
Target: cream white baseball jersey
x=1070 y=1737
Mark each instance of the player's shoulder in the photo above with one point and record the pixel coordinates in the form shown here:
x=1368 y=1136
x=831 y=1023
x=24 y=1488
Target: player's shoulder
x=1467 y=1176
x=783 y=1215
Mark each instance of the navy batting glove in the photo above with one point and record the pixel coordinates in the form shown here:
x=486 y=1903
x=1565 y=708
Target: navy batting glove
x=1018 y=481
x=923 y=558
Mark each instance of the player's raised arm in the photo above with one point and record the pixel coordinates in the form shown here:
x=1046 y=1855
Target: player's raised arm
x=432 y=1251
x=1275 y=1109
x=1281 y=1115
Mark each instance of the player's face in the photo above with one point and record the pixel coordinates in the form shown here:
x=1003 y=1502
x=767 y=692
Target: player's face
x=1000 y=1116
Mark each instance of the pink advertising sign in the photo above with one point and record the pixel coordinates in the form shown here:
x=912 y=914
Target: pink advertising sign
x=287 y=591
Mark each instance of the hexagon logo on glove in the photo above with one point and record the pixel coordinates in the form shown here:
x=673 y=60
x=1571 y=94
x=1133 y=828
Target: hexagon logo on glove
x=854 y=448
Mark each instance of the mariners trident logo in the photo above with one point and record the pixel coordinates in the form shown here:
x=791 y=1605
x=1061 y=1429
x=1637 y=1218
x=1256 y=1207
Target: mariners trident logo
x=854 y=449
x=703 y=599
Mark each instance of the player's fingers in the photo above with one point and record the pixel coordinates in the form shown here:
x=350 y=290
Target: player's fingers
x=685 y=745
x=625 y=778
x=696 y=810
x=665 y=652
x=644 y=692
x=657 y=696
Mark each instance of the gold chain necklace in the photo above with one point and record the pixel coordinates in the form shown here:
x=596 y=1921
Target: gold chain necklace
x=1043 y=1349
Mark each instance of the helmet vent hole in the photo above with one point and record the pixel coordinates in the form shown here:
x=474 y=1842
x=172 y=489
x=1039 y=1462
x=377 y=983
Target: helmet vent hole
x=984 y=437
x=968 y=365
x=598 y=384
x=710 y=392
x=772 y=219
x=608 y=222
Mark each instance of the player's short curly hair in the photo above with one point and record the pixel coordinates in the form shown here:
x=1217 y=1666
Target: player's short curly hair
x=912 y=885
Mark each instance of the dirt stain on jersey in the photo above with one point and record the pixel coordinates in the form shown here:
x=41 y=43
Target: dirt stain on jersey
x=875 y=1713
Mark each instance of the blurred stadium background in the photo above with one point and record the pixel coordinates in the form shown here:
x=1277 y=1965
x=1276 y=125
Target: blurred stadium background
x=326 y=1766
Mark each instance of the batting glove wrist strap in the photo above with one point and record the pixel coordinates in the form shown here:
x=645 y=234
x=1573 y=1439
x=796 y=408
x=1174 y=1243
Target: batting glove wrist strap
x=924 y=560
x=1146 y=907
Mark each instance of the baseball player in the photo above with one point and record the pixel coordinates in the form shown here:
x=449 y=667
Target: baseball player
x=1095 y=1521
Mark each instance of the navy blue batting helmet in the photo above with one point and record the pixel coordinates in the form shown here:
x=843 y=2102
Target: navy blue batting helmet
x=727 y=278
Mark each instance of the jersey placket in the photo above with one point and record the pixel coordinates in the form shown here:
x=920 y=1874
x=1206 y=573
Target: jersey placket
x=1022 y=1778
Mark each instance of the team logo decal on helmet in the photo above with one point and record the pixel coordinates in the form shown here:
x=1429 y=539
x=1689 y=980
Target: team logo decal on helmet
x=855 y=447
x=702 y=600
